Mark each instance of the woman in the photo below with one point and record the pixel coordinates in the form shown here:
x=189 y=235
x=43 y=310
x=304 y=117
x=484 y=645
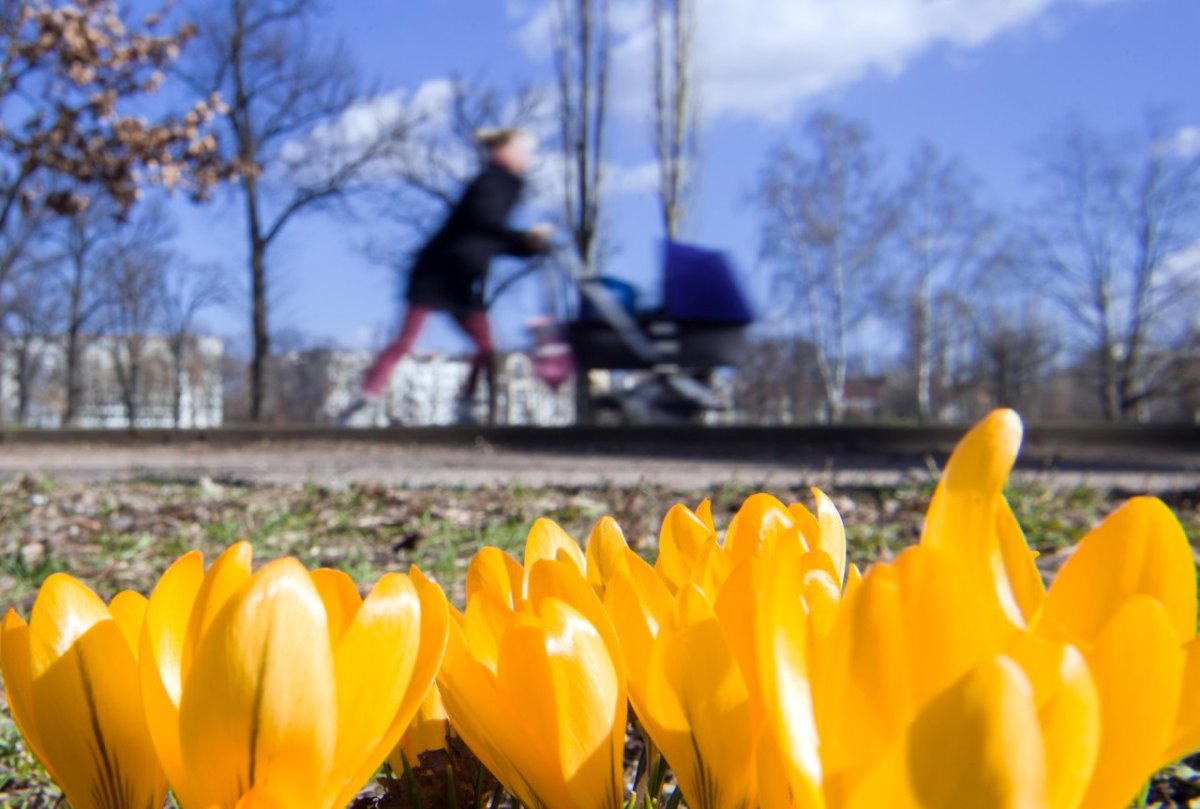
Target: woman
x=451 y=269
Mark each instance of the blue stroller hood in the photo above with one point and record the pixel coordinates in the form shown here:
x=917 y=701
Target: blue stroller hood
x=699 y=286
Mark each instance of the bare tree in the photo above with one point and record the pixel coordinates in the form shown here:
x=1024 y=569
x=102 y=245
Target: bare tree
x=827 y=214
x=1018 y=344
x=286 y=94
x=135 y=282
x=136 y=290
x=66 y=72
x=85 y=241
x=581 y=45
x=946 y=241
x=1117 y=218
x=187 y=293
x=34 y=313
x=675 y=118
x=70 y=75
x=777 y=382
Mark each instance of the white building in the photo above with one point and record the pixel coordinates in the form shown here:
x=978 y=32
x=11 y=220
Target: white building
x=424 y=388
x=105 y=382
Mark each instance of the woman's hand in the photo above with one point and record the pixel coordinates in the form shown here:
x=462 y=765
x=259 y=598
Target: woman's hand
x=539 y=236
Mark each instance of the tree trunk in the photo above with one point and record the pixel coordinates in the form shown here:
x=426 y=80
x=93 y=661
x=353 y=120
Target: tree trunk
x=262 y=338
x=74 y=386
x=924 y=355
x=23 y=380
x=131 y=400
x=177 y=373
x=1110 y=389
x=258 y=307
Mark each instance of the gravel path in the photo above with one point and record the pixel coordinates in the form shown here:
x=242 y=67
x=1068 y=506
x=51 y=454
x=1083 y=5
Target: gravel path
x=481 y=466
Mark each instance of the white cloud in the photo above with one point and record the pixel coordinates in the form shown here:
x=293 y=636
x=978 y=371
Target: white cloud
x=545 y=183
x=432 y=148
x=1184 y=143
x=641 y=178
x=762 y=58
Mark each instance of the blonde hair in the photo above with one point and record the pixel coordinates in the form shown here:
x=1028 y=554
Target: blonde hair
x=491 y=139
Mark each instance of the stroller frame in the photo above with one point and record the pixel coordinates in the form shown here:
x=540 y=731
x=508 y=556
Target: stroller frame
x=676 y=357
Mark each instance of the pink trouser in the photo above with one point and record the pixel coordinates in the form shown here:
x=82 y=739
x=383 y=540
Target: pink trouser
x=475 y=324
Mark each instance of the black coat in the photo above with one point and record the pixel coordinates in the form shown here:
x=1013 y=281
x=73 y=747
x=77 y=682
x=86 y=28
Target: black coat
x=451 y=269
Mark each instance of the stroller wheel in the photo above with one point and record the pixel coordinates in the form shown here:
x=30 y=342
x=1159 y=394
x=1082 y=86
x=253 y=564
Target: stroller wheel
x=655 y=402
x=608 y=412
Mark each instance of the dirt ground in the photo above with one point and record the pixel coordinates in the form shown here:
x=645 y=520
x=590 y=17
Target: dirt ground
x=485 y=466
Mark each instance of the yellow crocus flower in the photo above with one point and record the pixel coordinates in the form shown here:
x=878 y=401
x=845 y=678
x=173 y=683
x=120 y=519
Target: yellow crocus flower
x=699 y=604
x=1127 y=597
x=680 y=540
x=70 y=677
x=699 y=708
x=904 y=703
x=536 y=688
x=282 y=687
x=607 y=553
x=547 y=540
x=428 y=731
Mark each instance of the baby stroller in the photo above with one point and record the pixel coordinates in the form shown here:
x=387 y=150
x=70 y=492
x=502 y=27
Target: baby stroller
x=672 y=351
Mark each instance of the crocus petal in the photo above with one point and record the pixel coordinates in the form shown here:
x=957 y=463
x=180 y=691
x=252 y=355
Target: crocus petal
x=606 y=553
x=559 y=580
x=16 y=668
x=822 y=593
x=704 y=514
x=760 y=521
x=905 y=635
x=373 y=665
x=977 y=744
x=486 y=621
x=494 y=571
x=832 y=538
x=707 y=728
x=160 y=664
x=863 y=697
x=736 y=608
x=962 y=514
x=258 y=706
x=86 y=703
x=638 y=603
x=226 y=576
x=427 y=731
x=790 y=743
x=561 y=679
x=806 y=523
x=63 y=611
x=415 y=676
x=1186 y=738
x=854 y=578
x=1139 y=550
x=941 y=616
x=1138 y=669
x=1068 y=707
x=712 y=567
x=1023 y=575
x=680 y=539
x=435 y=627
x=340 y=596
x=481 y=713
x=547 y=540
x=128 y=609
x=260 y=798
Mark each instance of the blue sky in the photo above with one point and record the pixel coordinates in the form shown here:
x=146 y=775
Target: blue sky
x=982 y=79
